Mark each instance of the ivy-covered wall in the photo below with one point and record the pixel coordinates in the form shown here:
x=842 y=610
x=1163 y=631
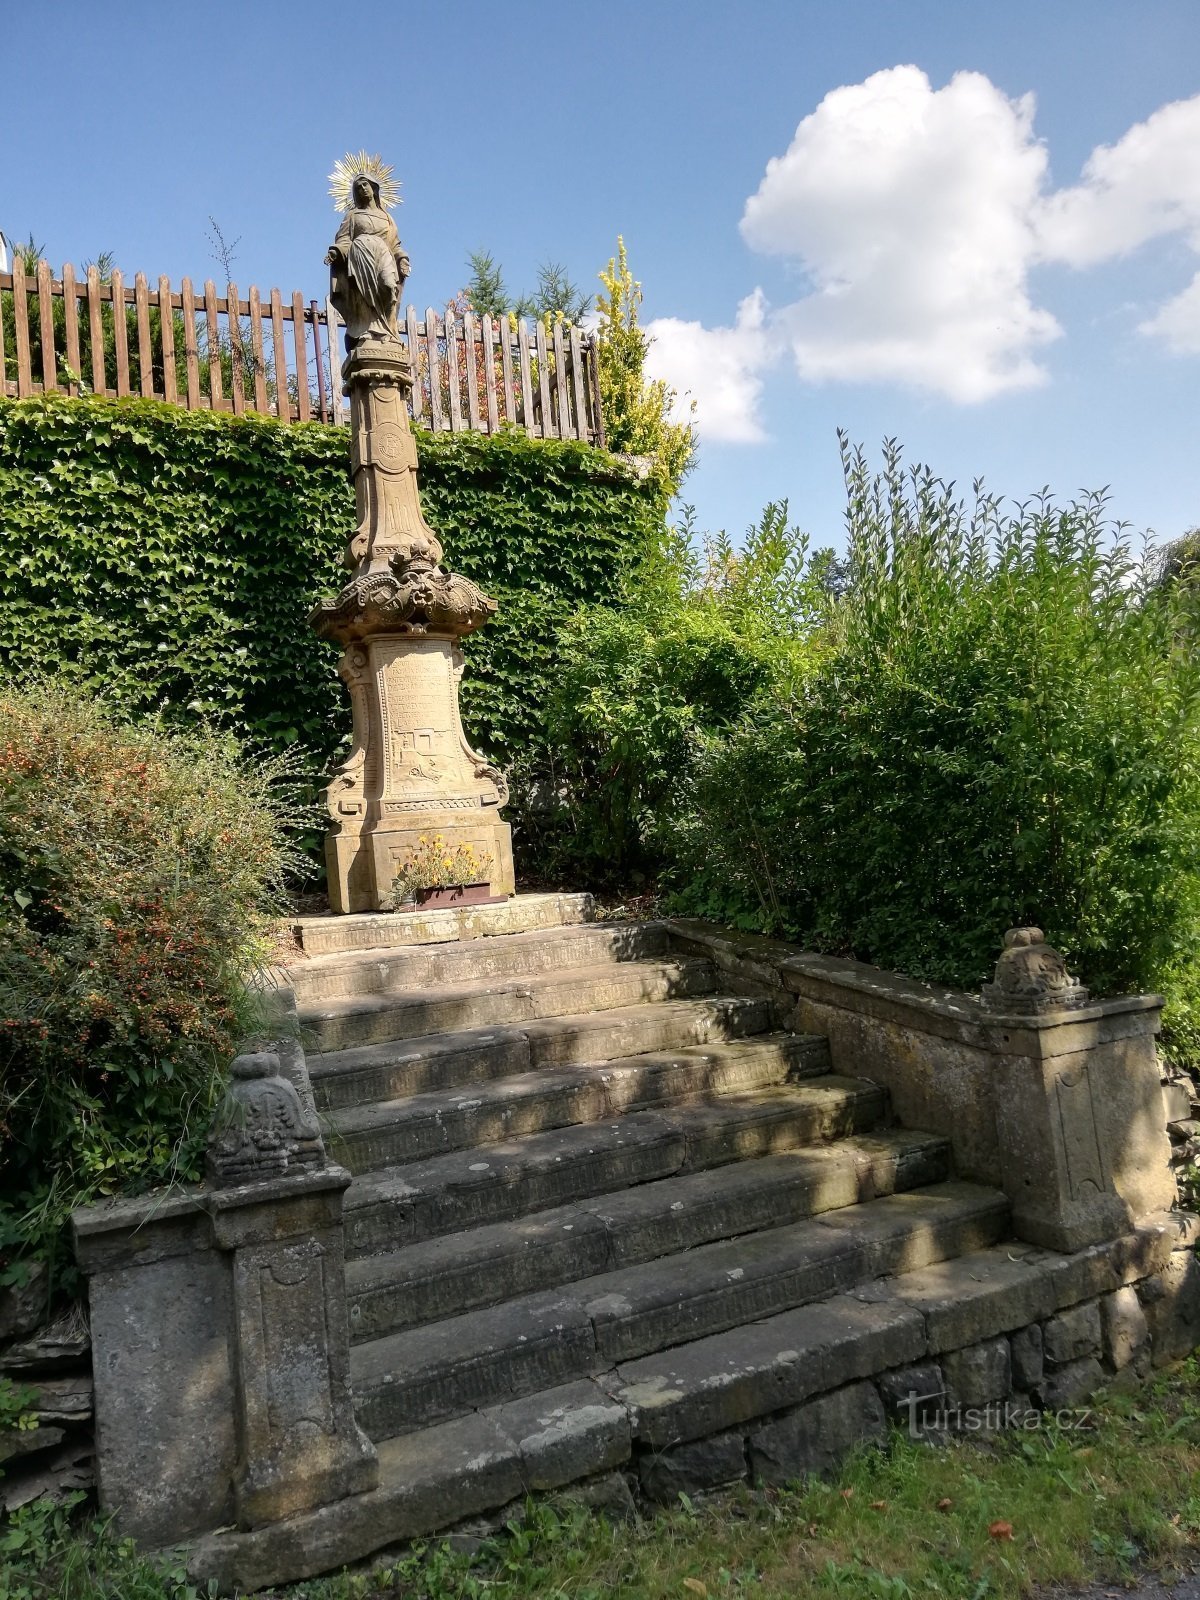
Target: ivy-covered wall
x=169 y=559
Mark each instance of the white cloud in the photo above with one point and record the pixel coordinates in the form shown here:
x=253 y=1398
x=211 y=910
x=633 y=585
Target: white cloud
x=916 y=216
x=718 y=368
x=1177 y=322
x=1144 y=187
x=910 y=210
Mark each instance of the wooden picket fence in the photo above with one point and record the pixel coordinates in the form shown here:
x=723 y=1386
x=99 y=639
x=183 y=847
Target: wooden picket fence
x=282 y=358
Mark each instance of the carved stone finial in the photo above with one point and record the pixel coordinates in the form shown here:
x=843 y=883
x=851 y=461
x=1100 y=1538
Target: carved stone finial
x=1032 y=978
x=261 y=1130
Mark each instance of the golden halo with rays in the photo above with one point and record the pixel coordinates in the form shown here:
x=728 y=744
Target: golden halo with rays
x=363 y=165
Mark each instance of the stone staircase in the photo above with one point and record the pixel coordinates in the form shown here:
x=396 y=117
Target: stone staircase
x=592 y=1192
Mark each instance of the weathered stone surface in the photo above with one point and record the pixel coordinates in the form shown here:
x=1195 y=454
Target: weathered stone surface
x=538 y=951
x=979 y=1374
x=716 y=1383
x=327 y=935
x=162 y=1334
x=1031 y=978
x=428 y=1481
x=23 y=1306
x=689 y=1468
x=1101 y=1268
x=816 y=1437
x=639 y=1309
x=608 y=1496
x=1063 y=1108
x=1027 y=1357
x=471 y=1187
x=344 y=1079
x=262 y=1129
x=498 y=1002
x=15 y=1442
x=912 y=1394
x=1070 y=1385
x=446 y=1276
x=409 y=1379
x=1171 y=1301
x=1072 y=1334
x=1123 y=1325
x=967 y=1301
x=231 y=1336
x=565 y=1434
x=1177 y=1100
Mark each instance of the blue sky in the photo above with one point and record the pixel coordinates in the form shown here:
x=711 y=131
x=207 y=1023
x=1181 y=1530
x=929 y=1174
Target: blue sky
x=978 y=231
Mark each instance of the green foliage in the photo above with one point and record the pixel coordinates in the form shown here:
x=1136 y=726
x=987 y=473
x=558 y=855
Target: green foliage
x=637 y=409
x=167 y=559
x=47 y=1554
x=139 y=874
x=556 y=297
x=699 y=637
x=1003 y=729
x=485 y=287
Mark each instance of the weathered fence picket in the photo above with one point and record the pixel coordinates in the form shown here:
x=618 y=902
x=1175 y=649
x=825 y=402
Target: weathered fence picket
x=214 y=352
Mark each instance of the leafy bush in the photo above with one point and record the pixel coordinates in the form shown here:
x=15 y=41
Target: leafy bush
x=1003 y=728
x=700 y=636
x=167 y=559
x=637 y=409
x=139 y=873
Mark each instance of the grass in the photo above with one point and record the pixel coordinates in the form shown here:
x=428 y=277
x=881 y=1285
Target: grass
x=968 y=1520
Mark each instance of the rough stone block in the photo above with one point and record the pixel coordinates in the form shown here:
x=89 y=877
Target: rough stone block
x=1072 y=1334
x=910 y=1394
x=714 y=1384
x=979 y=1374
x=1171 y=1301
x=161 y=1347
x=1123 y=1325
x=703 y=1464
x=565 y=1434
x=1069 y=1386
x=1027 y=1357
x=979 y=1296
x=817 y=1436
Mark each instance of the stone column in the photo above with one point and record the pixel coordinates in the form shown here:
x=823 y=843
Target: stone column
x=219 y=1329
x=412 y=771
x=1079 y=1118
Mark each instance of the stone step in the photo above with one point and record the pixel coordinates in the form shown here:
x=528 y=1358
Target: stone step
x=372 y=930
x=740 y=1391
x=445 y=1277
x=408 y=1380
x=588 y=944
x=392 y=1132
x=485 y=1003
x=390 y=1071
x=501 y=1182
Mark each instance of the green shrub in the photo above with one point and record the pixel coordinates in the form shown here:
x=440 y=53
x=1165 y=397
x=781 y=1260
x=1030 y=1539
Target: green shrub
x=1004 y=729
x=139 y=874
x=167 y=559
x=700 y=636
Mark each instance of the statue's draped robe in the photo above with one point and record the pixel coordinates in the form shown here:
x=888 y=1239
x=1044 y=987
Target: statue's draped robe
x=366 y=289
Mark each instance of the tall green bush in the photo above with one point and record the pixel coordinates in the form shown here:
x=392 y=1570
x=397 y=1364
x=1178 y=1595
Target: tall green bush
x=701 y=633
x=140 y=871
x=1005 y=728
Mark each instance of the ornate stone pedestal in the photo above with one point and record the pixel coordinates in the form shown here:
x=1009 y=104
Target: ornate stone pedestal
x=411 y=774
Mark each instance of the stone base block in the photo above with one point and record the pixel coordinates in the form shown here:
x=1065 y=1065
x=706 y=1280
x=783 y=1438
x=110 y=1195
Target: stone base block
x=361 y=866
x=815 y=1438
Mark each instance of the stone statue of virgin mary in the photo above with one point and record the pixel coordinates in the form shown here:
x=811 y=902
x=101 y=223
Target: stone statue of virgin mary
x=367 y=263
